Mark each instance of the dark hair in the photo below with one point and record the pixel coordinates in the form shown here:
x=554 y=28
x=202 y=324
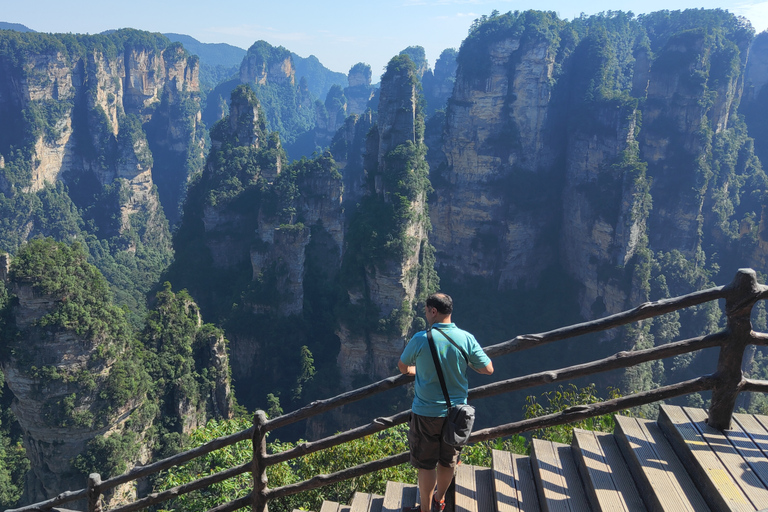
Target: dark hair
x=442 y=302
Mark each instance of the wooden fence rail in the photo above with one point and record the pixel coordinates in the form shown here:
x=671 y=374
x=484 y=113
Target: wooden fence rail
x=726 y=383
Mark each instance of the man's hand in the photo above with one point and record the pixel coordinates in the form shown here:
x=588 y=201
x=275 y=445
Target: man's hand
x=405 y=369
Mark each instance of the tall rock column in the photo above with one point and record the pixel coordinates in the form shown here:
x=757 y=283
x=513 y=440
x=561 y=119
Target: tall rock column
x=389 y=262
x=490 y=217
x=68 y=360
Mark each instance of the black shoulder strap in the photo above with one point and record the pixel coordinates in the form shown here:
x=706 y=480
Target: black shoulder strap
x=463 y=352
x=439 y=369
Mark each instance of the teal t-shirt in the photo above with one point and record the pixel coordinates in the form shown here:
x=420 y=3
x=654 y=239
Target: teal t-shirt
x=429 y=399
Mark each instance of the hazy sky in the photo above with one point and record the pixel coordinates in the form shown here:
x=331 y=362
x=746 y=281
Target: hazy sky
x=339 y=32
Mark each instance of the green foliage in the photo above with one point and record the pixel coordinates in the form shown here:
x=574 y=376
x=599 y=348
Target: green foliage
x=288 y=108
x=530 y=27
x=178 y=357
x=561 y=399
x=14 y=463
x=109 y=455
x=84 y=300
x=374 y=447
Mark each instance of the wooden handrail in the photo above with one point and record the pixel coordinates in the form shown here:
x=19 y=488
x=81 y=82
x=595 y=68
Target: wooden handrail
x=60 y=499
x=376 y=425
x=727 y=381
x=339 y=476
x=567 y=416
x=581 y=412
x=179 y=458
x=320 y=406
x=641 y=312
x=160 y=497
x=622 y=359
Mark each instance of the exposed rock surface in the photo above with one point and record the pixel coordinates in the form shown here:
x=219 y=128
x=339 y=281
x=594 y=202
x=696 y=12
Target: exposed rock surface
x=141 y=82
x=360 y=91
x=478 y=227
x=534 y=181
x=391 y=283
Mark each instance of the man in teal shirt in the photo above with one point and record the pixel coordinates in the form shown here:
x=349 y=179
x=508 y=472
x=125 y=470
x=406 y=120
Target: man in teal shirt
x=434 y=459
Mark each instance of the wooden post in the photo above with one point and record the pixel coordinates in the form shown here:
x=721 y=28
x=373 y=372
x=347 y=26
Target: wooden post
x=259 y=469
x=94 y=494
x=741 y=297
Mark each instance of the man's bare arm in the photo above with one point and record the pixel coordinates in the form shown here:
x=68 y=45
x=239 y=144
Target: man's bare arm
x=486 y=370
x=405 y=369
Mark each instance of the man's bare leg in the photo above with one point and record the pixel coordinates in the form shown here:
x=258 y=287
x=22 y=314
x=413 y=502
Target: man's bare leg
x=427 y=479
x=444 y=478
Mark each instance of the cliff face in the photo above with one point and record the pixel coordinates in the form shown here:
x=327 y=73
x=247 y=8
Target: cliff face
x=103 y=133
x=286 y=102
x=263 y=231
x=394 y=281
x=63 y=379
x=438 y=84
x=495 y=150
x=360 y=91
x=545 y=169
x=85 y=397
x=87 y=98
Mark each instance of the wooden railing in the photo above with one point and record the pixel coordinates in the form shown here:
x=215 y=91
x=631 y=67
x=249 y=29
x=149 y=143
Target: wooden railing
x=725 y=383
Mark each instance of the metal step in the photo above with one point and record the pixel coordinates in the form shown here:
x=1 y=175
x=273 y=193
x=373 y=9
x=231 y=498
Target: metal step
x=513 y=483
x=709 y=473
x=661 y=478
x=474 y=489
x=607 y=479
x=364 y=502
x=397 y=496
x=557 y=478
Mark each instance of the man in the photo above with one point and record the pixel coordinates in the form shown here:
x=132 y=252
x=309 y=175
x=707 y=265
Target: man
x=434 y=459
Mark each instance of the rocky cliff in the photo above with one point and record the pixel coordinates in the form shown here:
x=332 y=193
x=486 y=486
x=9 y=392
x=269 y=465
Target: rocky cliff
x=547 y=169
x=84 y=394
x=86 y=98
x=486 y=219
x=265 y=232
x=389 y=275
x=103 y=133
x=360 y=92
x=65 y=371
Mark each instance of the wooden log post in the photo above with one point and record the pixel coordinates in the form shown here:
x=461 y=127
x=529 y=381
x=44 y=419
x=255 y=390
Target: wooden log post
x=742 y=294
x=259 y=469
x=93 y=492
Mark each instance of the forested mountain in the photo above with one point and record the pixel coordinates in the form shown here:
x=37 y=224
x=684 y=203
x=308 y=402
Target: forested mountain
x=548 y=172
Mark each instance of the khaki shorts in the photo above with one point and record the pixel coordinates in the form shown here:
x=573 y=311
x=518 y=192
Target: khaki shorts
x=427 y=448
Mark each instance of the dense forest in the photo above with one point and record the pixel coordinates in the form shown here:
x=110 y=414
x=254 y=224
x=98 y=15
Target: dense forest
x=188 y=233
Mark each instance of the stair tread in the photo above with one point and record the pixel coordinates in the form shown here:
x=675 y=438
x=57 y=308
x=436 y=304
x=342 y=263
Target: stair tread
x=605 y=474
x=397 y=496
x=365 y=502
x=513 y=482
x=722 y=445
x=755 y=454
x=712 y=477
x=474 y=489
x=557 y=477
x=329 y=506
x=658 y=473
